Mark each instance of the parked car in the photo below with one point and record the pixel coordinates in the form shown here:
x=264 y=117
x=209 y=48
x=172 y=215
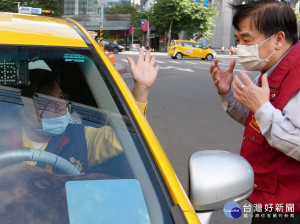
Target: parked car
x=135 y=46
x=106 y=165
x=110 y=46
x=187 y=48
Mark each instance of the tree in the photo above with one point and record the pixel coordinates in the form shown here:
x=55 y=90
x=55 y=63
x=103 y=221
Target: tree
x=11 y=5
x=162 y=16
x=8 y=6
x=298 y=17
x=198 y=20
x=168 y=16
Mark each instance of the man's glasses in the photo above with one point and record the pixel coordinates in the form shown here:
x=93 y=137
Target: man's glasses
x=56 y=106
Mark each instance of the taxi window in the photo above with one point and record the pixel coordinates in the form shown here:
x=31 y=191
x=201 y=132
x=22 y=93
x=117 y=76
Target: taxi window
x=187 y=44
x=198 y=45
x=63 y=119
x=179 y=43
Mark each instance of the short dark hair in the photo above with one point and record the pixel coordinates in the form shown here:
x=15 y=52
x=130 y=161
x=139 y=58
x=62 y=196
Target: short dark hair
x=42 y=79
x=269 y=17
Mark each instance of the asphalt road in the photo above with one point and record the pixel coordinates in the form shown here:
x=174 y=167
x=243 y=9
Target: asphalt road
x=186 y=115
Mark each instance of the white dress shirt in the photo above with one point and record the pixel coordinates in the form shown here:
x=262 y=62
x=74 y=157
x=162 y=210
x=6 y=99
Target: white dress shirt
x=280 y=128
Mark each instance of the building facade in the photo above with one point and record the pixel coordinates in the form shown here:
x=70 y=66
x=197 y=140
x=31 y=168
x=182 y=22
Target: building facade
x=88 y=13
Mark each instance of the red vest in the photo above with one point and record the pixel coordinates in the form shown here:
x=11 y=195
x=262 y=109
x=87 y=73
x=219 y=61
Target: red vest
x=277 y=176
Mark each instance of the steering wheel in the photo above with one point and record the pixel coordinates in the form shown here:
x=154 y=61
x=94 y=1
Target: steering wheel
x=15 y=156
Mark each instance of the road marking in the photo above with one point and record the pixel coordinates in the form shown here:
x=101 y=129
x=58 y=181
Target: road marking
x=207 y=63
x=194 y=63
x=190 y=62
x=162 y=62
x=223 y=68
x=237 y=66
x=219 y=63
x=181 y=69
x=175 y=62
x=201 y=67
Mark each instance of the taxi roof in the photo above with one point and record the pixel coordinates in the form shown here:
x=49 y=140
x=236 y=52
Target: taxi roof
x=20 y=29
x=191 y=41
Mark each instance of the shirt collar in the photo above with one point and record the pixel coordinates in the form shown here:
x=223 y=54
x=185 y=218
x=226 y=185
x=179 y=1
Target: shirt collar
x=269 y=72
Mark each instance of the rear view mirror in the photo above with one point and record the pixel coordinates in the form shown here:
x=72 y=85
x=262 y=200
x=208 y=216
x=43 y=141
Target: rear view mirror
x=217 y=177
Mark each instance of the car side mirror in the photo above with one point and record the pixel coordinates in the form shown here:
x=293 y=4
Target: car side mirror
x=217 y=177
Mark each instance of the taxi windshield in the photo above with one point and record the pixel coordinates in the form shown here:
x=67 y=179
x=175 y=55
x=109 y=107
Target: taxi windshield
x=70 y=151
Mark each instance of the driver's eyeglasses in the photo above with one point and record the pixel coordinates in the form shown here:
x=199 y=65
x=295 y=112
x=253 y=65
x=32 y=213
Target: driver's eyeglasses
x=57 y=106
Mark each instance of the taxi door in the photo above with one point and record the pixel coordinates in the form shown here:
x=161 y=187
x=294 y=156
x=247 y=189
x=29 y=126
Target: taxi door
x=187 y=49
x=198 y=51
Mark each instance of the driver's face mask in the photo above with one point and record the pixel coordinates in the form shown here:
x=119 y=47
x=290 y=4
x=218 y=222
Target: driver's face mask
x=55 y=125
x=248 y=56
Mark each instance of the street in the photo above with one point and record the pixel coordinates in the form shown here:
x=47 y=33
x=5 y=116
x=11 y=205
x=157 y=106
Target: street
x=186 y=114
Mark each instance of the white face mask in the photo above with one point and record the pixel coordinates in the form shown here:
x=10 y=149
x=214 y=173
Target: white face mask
x=248 y=56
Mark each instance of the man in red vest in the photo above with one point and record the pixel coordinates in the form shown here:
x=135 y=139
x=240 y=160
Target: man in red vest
x=268 y=107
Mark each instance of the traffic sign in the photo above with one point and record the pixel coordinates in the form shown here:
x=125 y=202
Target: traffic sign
x=25 y=10
x=30 y=10
x=36 y=11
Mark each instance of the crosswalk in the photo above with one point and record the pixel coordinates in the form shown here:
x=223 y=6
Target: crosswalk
x=189 y=65
x=176 y=65
x=177 y=68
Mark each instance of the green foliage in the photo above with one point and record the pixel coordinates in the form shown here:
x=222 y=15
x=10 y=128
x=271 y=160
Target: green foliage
x=298 y=17
x=12 y=6
x=198 y=20
x=164 y=12
x=169 y=17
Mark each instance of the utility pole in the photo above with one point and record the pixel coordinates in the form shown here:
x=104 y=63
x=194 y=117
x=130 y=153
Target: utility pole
x=101 y=24
x=148 y=33
x=132 y=35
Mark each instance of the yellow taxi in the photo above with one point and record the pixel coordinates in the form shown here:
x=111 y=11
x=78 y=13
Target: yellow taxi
x=191 y=49
x=95 y=158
